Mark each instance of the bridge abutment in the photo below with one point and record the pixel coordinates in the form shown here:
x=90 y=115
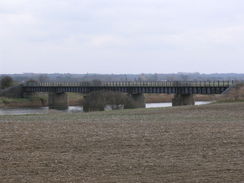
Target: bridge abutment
x=183 y=99
x=58 y=101
x=139 y=100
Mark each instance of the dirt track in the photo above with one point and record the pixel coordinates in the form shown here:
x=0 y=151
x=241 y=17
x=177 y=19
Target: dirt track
x=188 y=144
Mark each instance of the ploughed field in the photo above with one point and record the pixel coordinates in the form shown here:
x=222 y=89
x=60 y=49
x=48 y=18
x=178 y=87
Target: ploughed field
x=180 y=144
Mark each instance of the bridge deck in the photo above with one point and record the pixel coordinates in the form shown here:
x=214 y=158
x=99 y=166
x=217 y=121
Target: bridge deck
x=136 y=83
x=169 y=87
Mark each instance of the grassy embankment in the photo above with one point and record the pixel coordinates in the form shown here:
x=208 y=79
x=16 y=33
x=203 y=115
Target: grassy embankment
x=180 y=144
x=236 y=94
x=39 y=100
x=20 y=102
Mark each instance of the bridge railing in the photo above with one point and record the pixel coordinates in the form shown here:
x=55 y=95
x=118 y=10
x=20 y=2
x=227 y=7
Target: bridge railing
x=134 y=83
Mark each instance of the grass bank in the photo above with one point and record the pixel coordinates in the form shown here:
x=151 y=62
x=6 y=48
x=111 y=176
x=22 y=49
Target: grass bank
x=38 y=100
x=179 y=144
x=21 y=102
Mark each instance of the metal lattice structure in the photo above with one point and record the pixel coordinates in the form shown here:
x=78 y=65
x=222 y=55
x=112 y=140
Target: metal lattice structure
x=168 y=87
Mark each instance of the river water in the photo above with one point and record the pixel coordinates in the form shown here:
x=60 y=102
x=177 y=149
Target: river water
x=169 y=104
x=73 y=109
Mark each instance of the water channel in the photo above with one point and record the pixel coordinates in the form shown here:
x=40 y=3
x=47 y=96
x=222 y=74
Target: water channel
x=73 y=109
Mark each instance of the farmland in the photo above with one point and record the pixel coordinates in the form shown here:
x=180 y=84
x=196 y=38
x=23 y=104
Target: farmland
x=180 y=144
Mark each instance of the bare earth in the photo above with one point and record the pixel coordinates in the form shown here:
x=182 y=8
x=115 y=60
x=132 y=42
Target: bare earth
x=182 y=144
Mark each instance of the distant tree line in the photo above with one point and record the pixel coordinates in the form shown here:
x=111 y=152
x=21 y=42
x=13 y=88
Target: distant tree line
x=123 y=77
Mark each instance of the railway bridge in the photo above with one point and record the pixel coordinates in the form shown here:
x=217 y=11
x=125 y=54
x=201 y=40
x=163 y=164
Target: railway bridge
x=183 y=90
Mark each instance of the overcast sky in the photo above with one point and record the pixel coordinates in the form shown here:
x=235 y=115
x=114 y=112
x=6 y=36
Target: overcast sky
x=121 y=36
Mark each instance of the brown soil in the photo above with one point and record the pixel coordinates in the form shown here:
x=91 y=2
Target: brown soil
x=180 y=144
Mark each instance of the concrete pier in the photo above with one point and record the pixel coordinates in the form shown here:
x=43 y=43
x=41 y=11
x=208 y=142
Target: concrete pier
x=139 y=100
x=183 y=99
x=58 y=101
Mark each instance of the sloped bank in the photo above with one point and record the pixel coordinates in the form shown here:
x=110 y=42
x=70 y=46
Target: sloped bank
x=22 y=102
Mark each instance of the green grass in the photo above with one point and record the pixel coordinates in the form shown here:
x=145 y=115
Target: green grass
x=6 y=100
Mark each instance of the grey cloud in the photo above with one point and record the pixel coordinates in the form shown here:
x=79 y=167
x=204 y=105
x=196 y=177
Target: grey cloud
x=107 y=36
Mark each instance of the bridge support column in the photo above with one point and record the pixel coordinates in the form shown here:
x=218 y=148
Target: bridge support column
x=58 y=101
x=139 y=100
x=183 y=99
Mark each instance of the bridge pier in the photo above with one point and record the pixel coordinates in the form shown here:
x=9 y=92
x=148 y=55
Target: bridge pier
x=183 y=99
x=58 y=101
x=139 y=100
